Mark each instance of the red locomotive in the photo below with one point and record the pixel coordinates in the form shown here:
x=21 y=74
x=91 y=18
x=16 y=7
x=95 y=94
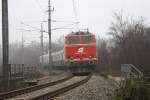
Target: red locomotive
x=79 y=53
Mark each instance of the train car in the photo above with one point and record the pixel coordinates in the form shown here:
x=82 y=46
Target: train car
x=58 y=59
x=45 y=62
x=79 y=53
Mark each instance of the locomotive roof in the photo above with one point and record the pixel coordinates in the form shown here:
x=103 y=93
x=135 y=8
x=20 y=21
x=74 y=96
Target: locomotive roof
x=80 y=33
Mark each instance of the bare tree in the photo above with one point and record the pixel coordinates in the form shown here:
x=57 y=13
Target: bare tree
x=102 y=53
x=131 y=38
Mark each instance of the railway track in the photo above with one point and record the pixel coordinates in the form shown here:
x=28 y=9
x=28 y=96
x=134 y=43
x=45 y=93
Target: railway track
x=50 y=92
x=56 y=92
x=14 y=93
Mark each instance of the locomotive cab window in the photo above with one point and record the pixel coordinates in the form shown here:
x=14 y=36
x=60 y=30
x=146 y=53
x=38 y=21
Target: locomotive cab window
x=86 y=39
x=73 y=40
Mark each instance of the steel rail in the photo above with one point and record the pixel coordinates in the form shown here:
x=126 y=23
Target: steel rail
x=14 y=93
x=50 y=95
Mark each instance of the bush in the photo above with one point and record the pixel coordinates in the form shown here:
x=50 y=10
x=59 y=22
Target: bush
x=132 y=90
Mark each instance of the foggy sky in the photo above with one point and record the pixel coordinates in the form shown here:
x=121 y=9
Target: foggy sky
x=94 y=14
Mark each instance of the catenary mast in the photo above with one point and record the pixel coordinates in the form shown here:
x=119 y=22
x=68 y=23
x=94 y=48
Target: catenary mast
x=49 y=33
x=5 y=41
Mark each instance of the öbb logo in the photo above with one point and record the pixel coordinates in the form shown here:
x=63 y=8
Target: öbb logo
x=80 y=50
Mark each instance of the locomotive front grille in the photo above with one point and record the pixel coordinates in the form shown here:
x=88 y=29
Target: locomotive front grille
x=82 y=63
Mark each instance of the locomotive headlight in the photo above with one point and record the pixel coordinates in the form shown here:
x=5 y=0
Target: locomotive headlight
x=90 y=57
x=91 y=61
x=71 y=60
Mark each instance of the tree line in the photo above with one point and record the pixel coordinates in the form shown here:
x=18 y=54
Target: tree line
x=129 y=44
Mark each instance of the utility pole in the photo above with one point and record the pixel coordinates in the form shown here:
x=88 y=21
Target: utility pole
x=13 y=52
x=49 y=32
x=42 y=43
x=5 y=41
x=22 y=48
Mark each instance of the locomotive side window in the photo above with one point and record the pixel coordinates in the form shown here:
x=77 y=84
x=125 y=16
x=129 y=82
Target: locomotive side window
x=73 y=40
x=86 y=39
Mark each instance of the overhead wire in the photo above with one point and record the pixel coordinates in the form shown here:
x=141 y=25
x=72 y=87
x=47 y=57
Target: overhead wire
x=30 y=26
x=64 y=21
x=38 y=3
x=27 y=30
x=42 y=9
x=61 y=27
x=65 y=26
x=75 y=11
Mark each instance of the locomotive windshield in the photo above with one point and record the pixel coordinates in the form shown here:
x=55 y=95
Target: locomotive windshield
x=73 y=40
x=86 y=39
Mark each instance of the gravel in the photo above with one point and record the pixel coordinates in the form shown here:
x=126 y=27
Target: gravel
x=97 y=88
